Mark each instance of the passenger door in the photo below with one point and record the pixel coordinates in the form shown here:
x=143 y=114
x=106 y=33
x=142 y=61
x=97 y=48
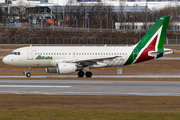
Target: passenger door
x=29 y=54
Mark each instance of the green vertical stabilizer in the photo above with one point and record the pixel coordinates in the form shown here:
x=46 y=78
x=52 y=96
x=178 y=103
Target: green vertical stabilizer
x=162 y=21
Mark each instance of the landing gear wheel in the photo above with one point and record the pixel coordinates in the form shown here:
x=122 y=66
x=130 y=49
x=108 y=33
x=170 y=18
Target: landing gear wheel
x=28 y=74
x=88 y=74
x=80 y=73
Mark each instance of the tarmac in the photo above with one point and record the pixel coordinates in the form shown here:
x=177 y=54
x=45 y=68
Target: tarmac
x=94 y=76
x=82 y=87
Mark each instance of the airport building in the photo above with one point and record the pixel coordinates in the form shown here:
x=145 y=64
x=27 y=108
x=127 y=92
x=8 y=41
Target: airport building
x=152 y=4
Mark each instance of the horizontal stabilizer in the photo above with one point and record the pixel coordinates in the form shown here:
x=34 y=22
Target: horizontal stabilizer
x=165 y=52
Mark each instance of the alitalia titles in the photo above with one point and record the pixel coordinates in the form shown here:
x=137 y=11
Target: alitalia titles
x=44 y=58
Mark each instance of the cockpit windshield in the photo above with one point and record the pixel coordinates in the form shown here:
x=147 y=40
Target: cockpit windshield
x=15 y=53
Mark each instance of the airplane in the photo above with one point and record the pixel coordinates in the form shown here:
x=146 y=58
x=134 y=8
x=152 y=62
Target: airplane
x=68 y=59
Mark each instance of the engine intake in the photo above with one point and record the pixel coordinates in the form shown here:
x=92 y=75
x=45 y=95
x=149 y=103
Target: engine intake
x=66 y=68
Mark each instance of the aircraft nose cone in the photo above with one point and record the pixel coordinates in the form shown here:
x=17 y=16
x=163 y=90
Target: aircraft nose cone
x=5 y=60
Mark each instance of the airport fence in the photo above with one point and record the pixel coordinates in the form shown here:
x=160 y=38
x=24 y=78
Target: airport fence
x=75 y=40
x=62 y=40
x=87 y=28
x=173 y=41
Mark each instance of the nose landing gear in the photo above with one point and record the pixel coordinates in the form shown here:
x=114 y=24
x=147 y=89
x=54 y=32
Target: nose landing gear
x=28 y=74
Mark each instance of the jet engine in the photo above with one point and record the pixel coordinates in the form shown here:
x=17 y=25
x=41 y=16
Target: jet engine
x=51 y=70
x=66 y=68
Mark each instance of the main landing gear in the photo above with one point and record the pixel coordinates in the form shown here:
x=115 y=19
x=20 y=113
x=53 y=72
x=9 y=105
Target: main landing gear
x=88 y=74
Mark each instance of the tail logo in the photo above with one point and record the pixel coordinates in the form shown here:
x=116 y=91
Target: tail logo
x=152 y=45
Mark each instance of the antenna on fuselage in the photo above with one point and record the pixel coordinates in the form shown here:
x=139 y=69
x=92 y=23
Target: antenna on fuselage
x=105 y=45
x=30 y=45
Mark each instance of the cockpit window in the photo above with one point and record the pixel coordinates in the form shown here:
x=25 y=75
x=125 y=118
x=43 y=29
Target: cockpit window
x=15 y=53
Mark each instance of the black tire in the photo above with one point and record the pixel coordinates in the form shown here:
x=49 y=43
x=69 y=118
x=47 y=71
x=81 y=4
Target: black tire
x=88 y=74
x=80 y=74
x=28 y=75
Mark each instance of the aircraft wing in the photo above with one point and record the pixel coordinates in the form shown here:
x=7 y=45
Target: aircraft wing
x=97 y=59
x=90 y=61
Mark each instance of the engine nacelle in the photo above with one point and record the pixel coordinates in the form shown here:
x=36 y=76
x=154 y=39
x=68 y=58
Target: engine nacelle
x=51 y=70
x=66 y=68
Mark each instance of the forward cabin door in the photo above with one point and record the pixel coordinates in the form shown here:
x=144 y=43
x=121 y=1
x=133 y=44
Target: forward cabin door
x=29 y=54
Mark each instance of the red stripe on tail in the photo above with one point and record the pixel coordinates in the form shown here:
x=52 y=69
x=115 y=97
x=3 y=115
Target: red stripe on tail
x=144 y=55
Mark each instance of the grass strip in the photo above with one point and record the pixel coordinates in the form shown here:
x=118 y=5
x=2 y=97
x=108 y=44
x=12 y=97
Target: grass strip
x=46 y=107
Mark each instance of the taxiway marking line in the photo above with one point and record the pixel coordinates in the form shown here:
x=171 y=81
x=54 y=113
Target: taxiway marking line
x=33 y=86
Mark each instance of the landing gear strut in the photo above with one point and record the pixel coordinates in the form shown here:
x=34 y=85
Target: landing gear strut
x=80 y=73
x=28 y=74
x=88 y=74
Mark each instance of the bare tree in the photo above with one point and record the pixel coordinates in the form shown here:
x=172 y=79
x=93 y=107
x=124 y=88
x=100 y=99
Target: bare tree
x=21 y=5
x=2 y=13
x=134 y=12
x=121 y=12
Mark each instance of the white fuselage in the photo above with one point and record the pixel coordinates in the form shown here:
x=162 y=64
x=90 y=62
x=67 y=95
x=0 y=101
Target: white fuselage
x=49 y=56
